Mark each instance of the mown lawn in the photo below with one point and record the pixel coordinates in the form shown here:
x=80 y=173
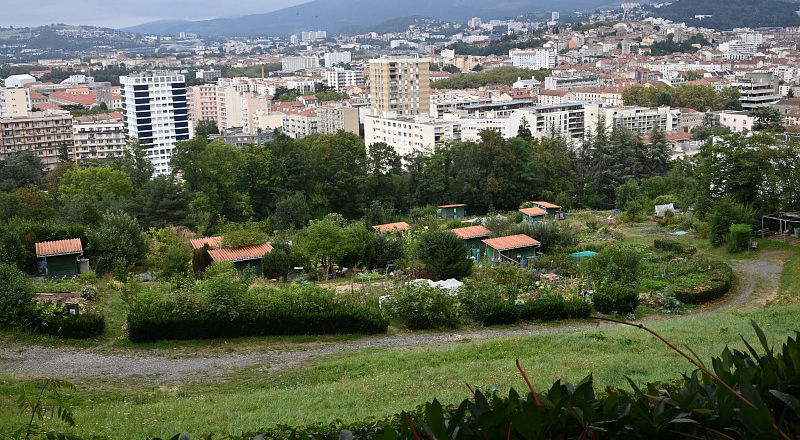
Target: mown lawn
x=377 y=383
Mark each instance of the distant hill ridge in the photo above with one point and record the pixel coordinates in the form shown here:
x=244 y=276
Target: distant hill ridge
x=335 y=15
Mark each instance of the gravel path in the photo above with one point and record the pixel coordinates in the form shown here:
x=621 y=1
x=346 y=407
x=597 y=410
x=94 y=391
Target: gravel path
x=154 y=369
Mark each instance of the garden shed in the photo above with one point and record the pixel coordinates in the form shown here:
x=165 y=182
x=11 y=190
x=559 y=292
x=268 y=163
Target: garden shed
x=549 y=208
x=474 y=236
x=448 y=212
x=533 y=215
x=246 y=259
x=60 y=257
x=390 y=227
x=512 y=249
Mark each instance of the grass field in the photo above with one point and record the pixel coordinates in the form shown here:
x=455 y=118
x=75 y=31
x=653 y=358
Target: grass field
x=377 y=383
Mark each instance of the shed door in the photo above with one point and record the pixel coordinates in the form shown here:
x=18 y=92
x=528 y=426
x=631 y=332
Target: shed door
x=62 y=267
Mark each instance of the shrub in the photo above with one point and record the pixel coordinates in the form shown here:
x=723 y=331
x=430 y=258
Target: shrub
x=668 y=303
x=88 y=277
x=727 y=212
x=276 y=264
x=219 y=268
x=90 y=293
x=666 y=199
x=616 y=264
x=483 y=302
x=170 y=252
x=239 y=236
x=550 y=234
x=547 y=307
x=16 y=297
x=64 y=325
x=616 y=298
x=577 y=308
x=444 y=255
x=739 y=237
x=593 y=224
x=673 y=246
x=421 y=307
x=117 y=241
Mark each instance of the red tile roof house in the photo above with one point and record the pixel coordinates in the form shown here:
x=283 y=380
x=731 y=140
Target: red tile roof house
x=246 y=259
x=517 y=249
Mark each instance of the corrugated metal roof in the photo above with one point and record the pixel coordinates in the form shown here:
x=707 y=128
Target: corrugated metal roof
x=471 y=232
x=533 y=212
x=212 y=242
x=59 y=247
x=511 y=242
x=547 y=205
x=241 y=253
x=400 y=226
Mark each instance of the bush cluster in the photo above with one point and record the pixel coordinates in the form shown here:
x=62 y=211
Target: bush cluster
x=422 y=307
x=616 y=298
x=549 y=307
x=674 y=246
x=224 y=307
x=485 y=303
x=64 y=325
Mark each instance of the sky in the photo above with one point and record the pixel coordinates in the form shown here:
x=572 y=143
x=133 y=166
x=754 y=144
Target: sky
x=122 y=13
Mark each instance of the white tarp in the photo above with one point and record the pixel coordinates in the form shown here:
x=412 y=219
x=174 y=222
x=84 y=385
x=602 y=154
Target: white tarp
x=662 y=209
x=452 y=284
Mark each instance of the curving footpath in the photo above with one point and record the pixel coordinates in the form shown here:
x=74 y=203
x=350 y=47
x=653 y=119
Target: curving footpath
x=150 y=368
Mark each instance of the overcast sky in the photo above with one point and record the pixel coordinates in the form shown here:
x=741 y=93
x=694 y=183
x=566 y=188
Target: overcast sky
x=122 y=13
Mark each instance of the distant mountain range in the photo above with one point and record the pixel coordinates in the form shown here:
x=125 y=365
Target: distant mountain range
x=335 y=15
x=729 y=14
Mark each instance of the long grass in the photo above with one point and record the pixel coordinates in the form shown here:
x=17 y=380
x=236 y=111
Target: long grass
x=380 y=382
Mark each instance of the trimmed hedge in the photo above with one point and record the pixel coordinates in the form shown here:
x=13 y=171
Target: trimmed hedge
x=65 y=325
x=677 y=247
x=152 y=324
x=616 y=298
x=718 y=284
x=550 y=307
x=496 y=312
x=224 y=307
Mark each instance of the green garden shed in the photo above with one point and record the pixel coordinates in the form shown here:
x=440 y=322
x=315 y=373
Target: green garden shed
x=550 y=208
x=474 y=236
x=60 y=257
x=533 y=215
x=511 y=249
x=449 y=212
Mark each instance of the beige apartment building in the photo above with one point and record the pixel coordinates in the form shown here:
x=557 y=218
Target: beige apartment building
x=399 y=86
x=43 y=134
x=14 y=103
x=331 y=119
x=203 y=103
x=98 y=136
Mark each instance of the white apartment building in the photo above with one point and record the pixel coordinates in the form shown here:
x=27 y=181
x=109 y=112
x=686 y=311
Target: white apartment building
x=736 y=121
x=301 y=123
x=293 y=64
x=339 y=78
x=641 y=120
x=98 y=136
x=14 y=103
x=203 y=103
x=313 y=35
x=738 y=49
x=251 y=103
x=471 y=128
x=543 y=58
x=565 y=120
x=570 y=82
x=410 y=135
x=208 y=75
x=156 y=112
x=758 y=90
x=333 y=58
x=331 y=119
